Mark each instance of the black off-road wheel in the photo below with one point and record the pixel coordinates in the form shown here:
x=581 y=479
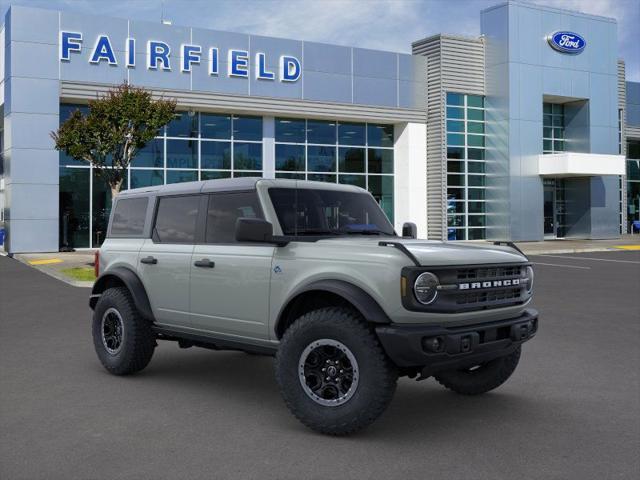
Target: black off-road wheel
x=332 y=372
x=123 y=339
x=480 y=378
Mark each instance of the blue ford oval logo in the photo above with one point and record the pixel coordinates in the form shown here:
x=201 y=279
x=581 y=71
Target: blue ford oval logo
x=567 y=42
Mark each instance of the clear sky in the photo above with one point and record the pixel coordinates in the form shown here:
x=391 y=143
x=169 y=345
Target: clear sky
x=379 y=24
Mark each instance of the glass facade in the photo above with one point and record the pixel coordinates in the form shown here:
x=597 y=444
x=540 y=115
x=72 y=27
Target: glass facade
x=205 y=146
x=552 y=128
x=194 y=146
x=633 y=182
x=345 y=152
x=466 y=173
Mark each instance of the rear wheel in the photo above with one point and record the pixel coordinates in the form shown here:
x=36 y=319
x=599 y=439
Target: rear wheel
x=332 y=372
x=480 y=378
x=122 y=339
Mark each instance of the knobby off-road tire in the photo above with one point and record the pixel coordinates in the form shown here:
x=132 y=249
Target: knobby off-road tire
x=338 y=337
x=123 y=339
x=480 y=379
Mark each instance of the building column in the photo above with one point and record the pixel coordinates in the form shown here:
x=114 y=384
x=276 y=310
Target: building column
x=31 y=113
x=410 y=176
x=268 y=147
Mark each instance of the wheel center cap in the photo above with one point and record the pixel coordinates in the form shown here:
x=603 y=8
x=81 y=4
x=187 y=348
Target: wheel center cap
x=331 y=371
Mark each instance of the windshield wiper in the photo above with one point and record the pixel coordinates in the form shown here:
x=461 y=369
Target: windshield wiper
x=317 y=231
x=366 y=231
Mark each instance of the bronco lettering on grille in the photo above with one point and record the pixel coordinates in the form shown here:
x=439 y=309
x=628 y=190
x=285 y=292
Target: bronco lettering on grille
x=490 y=284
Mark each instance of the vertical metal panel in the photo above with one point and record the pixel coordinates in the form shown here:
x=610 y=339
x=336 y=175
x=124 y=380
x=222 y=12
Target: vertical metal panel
x=454 y=64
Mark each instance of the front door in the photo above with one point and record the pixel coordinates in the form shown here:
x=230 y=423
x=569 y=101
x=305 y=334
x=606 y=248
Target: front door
x=229 y=280
x=164 y=261
x=555 y=208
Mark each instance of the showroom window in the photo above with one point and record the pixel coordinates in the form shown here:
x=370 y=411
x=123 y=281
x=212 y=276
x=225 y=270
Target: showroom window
x=466 y=181
x=633 y=182
x=552 y=128
x=351 y=153
x=193 y=146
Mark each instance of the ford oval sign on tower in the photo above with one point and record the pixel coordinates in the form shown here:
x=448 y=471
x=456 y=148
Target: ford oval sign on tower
x=567 y=42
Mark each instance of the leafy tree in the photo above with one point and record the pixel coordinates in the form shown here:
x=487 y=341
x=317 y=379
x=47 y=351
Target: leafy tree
x=117 y=126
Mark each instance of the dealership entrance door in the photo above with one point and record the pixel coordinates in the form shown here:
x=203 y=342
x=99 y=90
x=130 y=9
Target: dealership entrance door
x=555 y=208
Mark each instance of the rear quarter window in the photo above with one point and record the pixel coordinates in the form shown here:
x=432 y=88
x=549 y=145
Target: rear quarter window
x=129 y=216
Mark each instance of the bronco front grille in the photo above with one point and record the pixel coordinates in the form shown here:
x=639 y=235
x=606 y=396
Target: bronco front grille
x=489 y=273
x=471 y=288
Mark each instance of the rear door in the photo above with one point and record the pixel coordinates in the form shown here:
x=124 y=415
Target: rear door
x=230 y=280
x=164 y=261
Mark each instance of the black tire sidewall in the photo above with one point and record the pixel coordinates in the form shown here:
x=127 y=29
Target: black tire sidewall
x=377 y=377
x=138 y=339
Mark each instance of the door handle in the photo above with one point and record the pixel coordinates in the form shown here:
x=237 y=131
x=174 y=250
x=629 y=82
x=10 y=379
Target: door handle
x=205 y=263
x=149 y=260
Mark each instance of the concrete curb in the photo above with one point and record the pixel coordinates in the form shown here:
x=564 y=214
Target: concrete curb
x=54 y=274
x=571 y=250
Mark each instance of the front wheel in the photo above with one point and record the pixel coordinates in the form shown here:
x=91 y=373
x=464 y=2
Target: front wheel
x=480 y=378
x=332 y=372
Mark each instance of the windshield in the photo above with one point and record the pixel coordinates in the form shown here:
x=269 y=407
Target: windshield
x=328 y=212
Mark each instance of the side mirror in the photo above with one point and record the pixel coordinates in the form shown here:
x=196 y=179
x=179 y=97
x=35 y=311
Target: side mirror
x=409 y=230
x=256 y=230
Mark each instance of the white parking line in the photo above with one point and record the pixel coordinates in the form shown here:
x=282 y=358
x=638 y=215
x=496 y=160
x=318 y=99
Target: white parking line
x=591 y=258
x=559 y=265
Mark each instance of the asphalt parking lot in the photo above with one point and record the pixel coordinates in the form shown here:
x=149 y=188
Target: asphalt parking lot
x=571 y=410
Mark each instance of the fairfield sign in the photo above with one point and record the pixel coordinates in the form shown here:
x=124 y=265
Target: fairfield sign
x=159 y=56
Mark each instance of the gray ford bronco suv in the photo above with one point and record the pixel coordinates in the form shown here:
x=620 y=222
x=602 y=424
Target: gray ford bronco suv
x=314 y=274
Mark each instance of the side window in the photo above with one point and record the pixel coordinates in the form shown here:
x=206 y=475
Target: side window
x=128 y=217
x=176 y=219
x=224 y=209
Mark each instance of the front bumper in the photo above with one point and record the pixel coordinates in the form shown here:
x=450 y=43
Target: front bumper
x=437 y=348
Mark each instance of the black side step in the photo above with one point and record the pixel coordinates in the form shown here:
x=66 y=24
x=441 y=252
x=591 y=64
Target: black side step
x=212 y=343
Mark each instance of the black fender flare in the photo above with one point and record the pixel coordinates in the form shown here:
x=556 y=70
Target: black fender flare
x=133 y=284
x=361 y=300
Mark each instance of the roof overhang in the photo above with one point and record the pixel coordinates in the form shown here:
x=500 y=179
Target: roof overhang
x=573 y=164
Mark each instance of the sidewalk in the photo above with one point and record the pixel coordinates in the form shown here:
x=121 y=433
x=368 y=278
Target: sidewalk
x=60 y=265
x=626 y=242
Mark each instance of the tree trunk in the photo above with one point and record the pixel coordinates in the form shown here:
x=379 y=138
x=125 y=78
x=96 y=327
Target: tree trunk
x=115 y=189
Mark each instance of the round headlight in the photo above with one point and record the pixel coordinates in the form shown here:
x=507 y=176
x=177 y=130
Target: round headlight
x=529 y=275
x=426 y=288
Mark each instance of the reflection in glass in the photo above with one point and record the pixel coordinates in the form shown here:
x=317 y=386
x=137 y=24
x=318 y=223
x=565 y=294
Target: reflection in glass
x=247 y=156
x=322 y=178
x=151 y=155
x=146 y=178
x=351 y=133
x=179 y=176
x=215 y=155
x=215 y=126
x=351 y=160
x=247 y=127
x=321 y=159
x=381 y=187
x=380 y=161
x=182 y=154
x=320 y=131
x=290 y=130
x=357 y=180
x=205 y=175
x=290 y=157
x=184 y=124
x=379 y=135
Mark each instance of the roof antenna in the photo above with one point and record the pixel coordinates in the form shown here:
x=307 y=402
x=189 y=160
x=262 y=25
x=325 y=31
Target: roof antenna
x=162 y=19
